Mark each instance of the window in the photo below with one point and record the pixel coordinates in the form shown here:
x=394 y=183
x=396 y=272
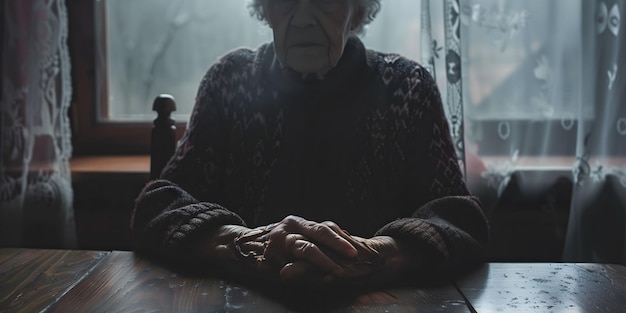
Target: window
x=155 y=46
x=138 y=49
x=164 y=46
x=522 y=74
x=520 y=50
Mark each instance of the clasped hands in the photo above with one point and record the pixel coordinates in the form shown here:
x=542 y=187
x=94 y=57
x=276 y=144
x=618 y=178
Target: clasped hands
x=297 y=251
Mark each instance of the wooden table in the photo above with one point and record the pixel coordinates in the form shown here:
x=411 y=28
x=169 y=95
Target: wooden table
x=546 y=287
x=33 y=280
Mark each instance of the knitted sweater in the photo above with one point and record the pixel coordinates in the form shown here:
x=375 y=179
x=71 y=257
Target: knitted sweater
x=367 y=147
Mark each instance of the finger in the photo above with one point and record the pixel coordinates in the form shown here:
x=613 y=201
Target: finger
x=332 y=225
x=295 y=273
x=278 y=247
x=280 y=250
x=272 y=254
x=321 y=234
x=300 y=272
x=252 y=247
x=276 y=234
x=354 y=240
x=310 y=252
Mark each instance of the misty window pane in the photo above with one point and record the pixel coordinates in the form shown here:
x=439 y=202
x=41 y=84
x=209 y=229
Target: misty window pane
x=522 y=59
x=166 y=46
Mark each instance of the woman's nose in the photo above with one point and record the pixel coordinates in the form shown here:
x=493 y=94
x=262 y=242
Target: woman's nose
x=304 y=14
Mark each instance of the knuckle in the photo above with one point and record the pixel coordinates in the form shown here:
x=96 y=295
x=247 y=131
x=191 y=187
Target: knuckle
x=290 y=240
x=307 y=249
x=291 y=218
x=291 y=221
x=278 y=234
x=331 y=224
x=319 y=228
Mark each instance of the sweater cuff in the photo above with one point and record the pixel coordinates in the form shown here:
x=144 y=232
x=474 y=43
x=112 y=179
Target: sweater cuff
x=421 y=236
x=198 y=219
x=169 y=221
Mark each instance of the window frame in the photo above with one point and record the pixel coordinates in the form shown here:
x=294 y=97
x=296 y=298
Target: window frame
x=91 y=136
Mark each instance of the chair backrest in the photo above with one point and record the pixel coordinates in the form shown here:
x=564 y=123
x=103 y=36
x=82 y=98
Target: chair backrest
x=163 y=139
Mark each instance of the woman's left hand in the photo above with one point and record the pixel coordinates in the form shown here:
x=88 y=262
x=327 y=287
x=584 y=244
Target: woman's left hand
x=295 y=239
x=380 y=259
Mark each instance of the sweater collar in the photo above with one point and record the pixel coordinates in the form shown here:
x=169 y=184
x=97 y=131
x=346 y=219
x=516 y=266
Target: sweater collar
x=351 y=64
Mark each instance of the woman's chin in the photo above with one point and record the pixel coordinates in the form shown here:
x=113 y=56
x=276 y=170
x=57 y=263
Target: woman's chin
x=309 y=67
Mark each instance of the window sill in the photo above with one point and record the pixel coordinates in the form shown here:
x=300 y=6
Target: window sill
x=532 y=163
x=547 y=163
x=138 y=166
x=125 y=167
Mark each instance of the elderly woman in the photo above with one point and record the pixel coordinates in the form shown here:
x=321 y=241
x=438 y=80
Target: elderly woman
x=312 y=160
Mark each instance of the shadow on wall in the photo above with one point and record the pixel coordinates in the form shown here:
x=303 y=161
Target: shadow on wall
x=603 y=232
x=529 y=226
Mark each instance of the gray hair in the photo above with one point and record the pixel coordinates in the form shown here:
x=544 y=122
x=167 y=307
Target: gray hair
x=370 y=10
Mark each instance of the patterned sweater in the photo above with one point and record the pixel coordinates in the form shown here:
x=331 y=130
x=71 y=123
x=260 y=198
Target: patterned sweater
x=367 y=147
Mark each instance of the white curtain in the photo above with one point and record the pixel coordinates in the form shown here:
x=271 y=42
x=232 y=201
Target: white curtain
x=596 y=229
x=535 y=93
x=35 y=189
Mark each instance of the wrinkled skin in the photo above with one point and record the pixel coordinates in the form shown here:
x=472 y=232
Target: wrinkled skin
x=310 y=35
x=296 y=251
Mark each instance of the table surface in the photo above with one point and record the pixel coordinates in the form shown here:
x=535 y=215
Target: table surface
x=35 y=280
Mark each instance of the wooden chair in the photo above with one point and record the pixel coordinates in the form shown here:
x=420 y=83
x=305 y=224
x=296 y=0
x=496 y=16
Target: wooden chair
x=163 y=139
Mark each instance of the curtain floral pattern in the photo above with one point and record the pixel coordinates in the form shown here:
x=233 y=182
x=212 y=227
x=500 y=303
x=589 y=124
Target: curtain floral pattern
x=542 y=95
x=596 y=229
x=35 y=188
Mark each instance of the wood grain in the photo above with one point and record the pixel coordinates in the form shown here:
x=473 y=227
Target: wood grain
x=111 y=167
x=546 y=287
x=128 y=283
x=90 y=281
x=32 y=280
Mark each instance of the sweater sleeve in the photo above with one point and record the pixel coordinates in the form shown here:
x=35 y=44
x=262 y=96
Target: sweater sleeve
x=447 y=226
x=173 y=212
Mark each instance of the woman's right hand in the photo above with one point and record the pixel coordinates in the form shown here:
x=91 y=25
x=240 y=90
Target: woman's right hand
x=221 y=248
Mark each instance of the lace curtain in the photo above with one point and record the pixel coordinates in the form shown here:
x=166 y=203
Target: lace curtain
x=596 y=229
x=539 y=86
x=35 y=189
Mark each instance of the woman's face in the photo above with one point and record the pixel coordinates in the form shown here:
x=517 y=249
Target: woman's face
x=310 y=35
